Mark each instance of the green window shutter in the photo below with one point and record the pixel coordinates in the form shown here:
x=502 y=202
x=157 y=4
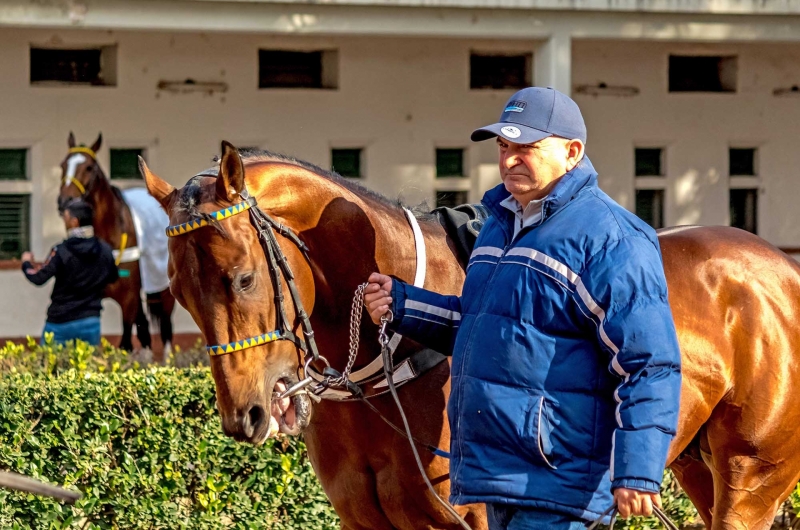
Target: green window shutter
x=449 y=163
x=451 y=199
x=14 y=225
x=125 y=163
x=13 y=164
x=346 y=162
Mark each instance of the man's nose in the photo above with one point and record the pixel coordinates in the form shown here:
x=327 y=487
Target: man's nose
x=511 y=161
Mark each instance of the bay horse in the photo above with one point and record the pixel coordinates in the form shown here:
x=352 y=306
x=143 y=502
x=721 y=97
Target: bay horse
x=735 y=301
x=83 y=178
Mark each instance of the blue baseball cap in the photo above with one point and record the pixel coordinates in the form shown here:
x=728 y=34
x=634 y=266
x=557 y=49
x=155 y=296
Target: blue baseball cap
x=536 y=113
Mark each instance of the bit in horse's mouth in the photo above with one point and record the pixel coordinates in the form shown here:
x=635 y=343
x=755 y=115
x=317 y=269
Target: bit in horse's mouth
x=288 y=415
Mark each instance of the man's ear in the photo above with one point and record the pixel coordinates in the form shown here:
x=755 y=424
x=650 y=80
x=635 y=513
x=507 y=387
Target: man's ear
x=575 y=151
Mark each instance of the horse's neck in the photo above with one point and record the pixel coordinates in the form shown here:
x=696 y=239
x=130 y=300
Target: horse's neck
x=353 y=237
x=109 y=211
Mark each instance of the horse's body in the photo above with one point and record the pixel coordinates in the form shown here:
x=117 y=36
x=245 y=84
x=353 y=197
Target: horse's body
x=112 y=220
x=735 y=299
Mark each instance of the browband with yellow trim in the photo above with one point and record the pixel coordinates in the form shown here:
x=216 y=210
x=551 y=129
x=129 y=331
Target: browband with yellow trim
x=223 y=349
x=83 y=150
x=219 y=215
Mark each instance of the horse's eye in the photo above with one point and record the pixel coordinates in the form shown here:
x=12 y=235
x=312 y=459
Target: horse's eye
x=244 y=282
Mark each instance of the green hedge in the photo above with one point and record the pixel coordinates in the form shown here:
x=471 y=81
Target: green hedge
x=145 y=446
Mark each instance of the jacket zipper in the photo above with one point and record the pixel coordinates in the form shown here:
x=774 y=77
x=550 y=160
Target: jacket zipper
x=460 y=438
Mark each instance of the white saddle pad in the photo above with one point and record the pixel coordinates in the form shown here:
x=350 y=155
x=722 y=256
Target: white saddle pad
x=151 y=222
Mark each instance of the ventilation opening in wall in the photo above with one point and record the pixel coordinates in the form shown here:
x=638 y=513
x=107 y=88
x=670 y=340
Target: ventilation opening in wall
x=125 y=163
x=742 y=162
x=691 y=73
x=81 y=67
x=499 y=71
x=294 y=69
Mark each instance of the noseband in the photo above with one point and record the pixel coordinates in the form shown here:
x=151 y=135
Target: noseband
x=279 y=269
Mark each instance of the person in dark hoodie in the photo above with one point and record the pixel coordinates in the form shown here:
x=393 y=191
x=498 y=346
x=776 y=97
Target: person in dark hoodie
x=83 y=266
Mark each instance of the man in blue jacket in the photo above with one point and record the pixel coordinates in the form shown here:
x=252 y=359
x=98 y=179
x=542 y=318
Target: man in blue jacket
x=566 y=368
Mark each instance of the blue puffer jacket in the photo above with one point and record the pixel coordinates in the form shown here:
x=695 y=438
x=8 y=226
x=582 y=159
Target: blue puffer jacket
x=566 y=368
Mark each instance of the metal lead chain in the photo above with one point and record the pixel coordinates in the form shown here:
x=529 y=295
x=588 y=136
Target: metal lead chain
x=355 y=336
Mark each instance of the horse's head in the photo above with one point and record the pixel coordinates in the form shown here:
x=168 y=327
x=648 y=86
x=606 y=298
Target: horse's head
x=219 y=272
x=78 y=170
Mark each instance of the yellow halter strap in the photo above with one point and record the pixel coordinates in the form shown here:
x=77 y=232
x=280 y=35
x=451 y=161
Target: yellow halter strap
x=83 y=150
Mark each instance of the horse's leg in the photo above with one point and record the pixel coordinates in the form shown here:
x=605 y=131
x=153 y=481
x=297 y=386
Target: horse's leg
x=696 y=479
x=126 y=343
x=749 y=485
x=161 y=306
x=142 y=325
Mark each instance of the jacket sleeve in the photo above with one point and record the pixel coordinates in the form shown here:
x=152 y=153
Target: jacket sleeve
x=624 y=290
x=47 y=271
x=426 y=317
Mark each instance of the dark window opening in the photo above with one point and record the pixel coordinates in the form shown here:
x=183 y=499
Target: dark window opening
x=289 y=69
x=500 y=71
x=449 y=163
x=75 y=67
x=742 y=162
x=346 y=162
x=13 y=164
x=125 y=163
x=744 y=209
x=648 y=162
x=650 y=207
x=702 y=74
x=451 y=199
x=14 y=225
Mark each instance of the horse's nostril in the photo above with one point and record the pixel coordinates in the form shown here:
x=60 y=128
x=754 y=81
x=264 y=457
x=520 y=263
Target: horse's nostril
x=253 y=420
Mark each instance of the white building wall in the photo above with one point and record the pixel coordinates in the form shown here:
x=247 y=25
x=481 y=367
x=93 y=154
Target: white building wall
x=696 y=129
x=401 y=98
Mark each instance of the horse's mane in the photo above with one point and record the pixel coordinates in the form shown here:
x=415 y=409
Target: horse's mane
x=188 y=201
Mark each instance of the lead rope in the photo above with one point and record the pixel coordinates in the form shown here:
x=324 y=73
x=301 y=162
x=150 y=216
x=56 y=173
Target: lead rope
x=388 y=370
x=612 y=512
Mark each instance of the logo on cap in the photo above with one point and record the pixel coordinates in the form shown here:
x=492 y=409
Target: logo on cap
x=515 y=106
x=511 y=132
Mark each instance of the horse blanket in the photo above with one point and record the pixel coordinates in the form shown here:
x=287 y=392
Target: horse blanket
x=151 y=222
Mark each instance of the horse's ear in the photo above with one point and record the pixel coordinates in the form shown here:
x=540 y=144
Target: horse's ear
x=71 y=140
x=97 y=143
x=230 y=181
x=156 y=186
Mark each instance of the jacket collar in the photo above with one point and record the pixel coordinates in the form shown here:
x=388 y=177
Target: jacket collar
x=582 y=176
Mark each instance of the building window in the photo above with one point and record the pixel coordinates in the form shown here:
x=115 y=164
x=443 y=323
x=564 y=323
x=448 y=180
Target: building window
x=290 y=69
x=649 y=162
x=744 y=209
x=742 y=162
x=13 y=164
x=14 y=225
x=449 y=163
x=346 y=162
x=702 y=73
x=452 y=198
x=125 y=163
x=650 y=207
x=89 y=66
x=497 y=71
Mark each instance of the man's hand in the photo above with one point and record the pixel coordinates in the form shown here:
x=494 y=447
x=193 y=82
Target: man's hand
x=633 y=502
x=376 y=296
x=27 y=256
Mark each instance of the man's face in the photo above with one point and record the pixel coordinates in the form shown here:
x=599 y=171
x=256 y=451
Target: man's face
x=528 y=170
